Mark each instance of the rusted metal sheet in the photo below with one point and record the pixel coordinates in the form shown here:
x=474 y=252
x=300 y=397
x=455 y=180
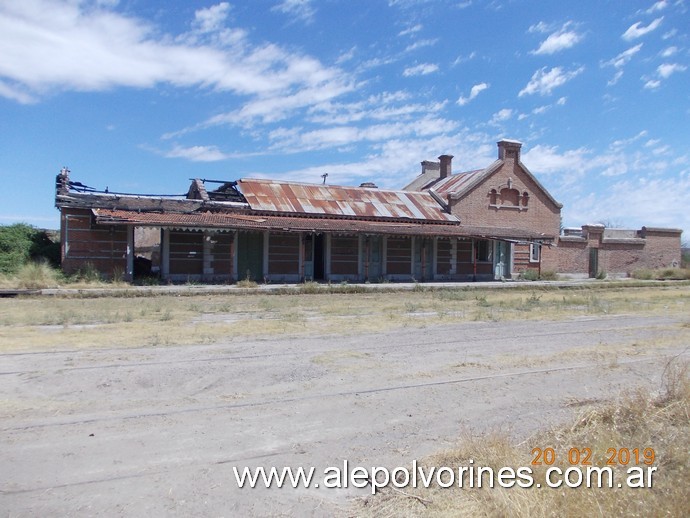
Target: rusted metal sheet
x=244 y=221
x=456 y=183
x=333 y=200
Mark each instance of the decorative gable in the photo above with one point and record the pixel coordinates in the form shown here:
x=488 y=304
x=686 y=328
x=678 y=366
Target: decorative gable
x=509 y=195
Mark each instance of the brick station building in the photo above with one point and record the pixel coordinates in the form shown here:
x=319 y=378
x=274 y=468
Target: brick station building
x=492 y=223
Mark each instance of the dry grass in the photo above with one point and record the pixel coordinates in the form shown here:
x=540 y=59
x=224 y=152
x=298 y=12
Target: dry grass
x=662 y=274
x=37 y=323
x=634 y=420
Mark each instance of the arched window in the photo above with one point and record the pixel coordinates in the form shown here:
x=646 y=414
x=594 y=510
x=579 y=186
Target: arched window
x=525 y=198
x=492 y=196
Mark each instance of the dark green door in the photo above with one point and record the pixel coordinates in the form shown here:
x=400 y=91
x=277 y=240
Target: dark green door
x=250 y=256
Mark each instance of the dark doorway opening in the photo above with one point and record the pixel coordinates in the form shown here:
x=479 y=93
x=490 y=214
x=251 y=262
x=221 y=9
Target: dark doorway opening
x=319 y=257
x=593 y=262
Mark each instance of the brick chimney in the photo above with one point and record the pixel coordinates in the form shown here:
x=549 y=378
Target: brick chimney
x=430 y=167
x=446 y=168
x=62 y=181
x=509 y=149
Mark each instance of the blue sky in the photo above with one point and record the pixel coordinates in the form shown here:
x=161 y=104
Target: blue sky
x=141 y=95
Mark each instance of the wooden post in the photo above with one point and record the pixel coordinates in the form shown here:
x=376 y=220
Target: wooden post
x=232 y=256
x=367 y=252
x=302 y=252
x=165 y=254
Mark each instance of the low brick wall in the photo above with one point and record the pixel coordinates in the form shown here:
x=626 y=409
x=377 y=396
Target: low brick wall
x=618 y=252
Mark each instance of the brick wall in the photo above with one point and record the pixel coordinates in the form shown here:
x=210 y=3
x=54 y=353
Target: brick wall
x=573 y=256
x=283 y=254
x=539 y=214
x=345 y=255
x=649 y=248
x=186 y=253
x=663 y=247
x=87 y=245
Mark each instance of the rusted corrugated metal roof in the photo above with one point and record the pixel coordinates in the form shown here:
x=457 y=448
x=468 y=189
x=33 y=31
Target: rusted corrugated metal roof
x=456 y=182
x=236 y=221
x=333 y=200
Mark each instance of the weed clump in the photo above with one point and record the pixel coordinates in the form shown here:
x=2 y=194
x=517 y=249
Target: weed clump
x=38 y=275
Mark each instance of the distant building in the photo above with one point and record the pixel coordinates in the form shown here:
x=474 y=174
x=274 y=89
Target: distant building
x=493 y=223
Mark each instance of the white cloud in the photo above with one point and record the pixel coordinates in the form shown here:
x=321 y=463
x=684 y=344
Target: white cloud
x=420 y=70
x=658 y=6
x=17 y=94
x=382 y=107
x=391 y=163
x=620 y=61
x=421 y=44
x=560 y=40
x=665 y=70
x=637 y=31
x=624 y=57
x=618 y=145
x=617 y=76
x=547 y=160
x=540 y=27
x=635 y=202
x=48 y=46
x=463 y=59
x=628 y=181
x=197 y=153
x=299 y=9
x=212 y=18
x=274 y=108
x=293 y=140
x=411 y=30
x=501 y=116
x=474 y=92
x=346 y=56
x=544 y=81
x=670 y=51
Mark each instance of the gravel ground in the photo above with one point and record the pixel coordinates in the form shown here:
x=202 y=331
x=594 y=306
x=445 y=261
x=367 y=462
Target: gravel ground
x=157 y=431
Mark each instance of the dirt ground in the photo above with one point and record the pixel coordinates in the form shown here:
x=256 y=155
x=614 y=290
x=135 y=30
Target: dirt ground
x=156 y=431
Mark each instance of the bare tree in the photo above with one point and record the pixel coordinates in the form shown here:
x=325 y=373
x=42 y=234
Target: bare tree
x=611 y=223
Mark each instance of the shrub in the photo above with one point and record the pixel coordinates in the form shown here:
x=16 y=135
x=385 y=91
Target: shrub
x=644 y=274
x=529 y=275
x=549 y=275
x=20 y=243
x=673 y=274
x=310 y=287
x=664 y=274
x=601 y=275
x=247 y=283
x=87 y=273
